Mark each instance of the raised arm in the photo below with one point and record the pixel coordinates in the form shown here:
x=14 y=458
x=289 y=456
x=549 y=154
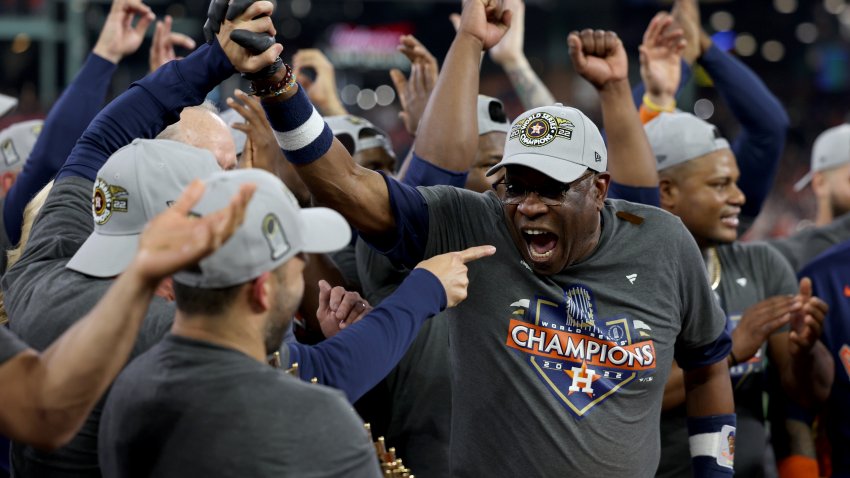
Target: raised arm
x=600 y=58
x=77 y=106
x=510 y=55
x=47 y=397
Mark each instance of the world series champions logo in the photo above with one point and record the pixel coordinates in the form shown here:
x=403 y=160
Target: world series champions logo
x=583 y=360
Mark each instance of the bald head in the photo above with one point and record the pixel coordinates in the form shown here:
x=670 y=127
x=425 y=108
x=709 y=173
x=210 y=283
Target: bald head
x=201 y=127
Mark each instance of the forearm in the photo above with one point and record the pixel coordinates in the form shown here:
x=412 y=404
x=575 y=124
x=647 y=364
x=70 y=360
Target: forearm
x=709 y=390
x=527 y=85
x=76 y=370
x=361 y=355
x=448 y=133
x=674 y=389
x=145 y=109
x=326 y=167
x=630 y=159
x=809 y=376
x=65 y=123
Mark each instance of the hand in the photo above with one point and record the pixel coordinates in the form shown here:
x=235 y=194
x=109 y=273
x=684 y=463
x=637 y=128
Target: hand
x=414 y=92
x=759 y=321
x=163 y=43
x=173 y=240
x=262 y=150
x=807 y=323
x=509 y=51
x=686 y=14
x=339 y=308
x=118 y=37
x=256 y=19
x=660 y=59
x=451 y=269
x=323 y=91
x=485 y=20
x=598 y=56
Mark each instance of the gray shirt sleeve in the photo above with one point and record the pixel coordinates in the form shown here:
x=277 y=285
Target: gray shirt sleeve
x=10 y=345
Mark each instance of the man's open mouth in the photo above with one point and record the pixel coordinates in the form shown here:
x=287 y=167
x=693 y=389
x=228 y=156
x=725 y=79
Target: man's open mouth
x=541 y=244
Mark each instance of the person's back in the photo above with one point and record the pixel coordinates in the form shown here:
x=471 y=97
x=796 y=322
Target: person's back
x=192 y=408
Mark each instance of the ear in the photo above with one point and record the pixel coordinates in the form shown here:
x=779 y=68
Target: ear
x=601 y=182
x=7 y=179
x=820 y=185
x=669 y=193
x=262 y=291
x=165 y=289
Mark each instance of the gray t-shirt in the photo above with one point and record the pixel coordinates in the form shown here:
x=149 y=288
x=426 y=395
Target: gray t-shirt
x=44 y=299
x=9 y=345
x=800 y=248
x=418 y=390
x=750 y=273
x=565 y=374
x=192 y=408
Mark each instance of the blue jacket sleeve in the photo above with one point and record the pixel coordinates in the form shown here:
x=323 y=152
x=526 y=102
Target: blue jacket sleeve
x=67 y=120
x=642 y=195
x=147 y=107
x=423 y=173
x=361 y=355
x=763 y=124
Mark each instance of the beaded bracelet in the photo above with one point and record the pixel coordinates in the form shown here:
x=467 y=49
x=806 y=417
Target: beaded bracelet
x=276 y=89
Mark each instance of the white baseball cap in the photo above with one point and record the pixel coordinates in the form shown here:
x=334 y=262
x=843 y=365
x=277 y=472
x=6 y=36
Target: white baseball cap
x=679 y=137
x=17 y=142
x=358 y=134
x=491 y=116
x=831 y=149
x=559 y=141
x=7 y=103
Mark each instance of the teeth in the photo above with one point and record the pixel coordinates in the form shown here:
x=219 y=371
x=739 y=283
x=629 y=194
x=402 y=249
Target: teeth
x=533 y=232
x=535 y=255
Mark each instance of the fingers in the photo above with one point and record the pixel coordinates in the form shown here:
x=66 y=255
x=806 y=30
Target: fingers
x=324 y=298
x=806 y=287
x=257 y=9
x=477 y=252
x=350 y=306
x=455 y=19
x=255 y=43
x=653 y=30
x=576 y=47
x=250 y=109
x=145 y=20
x=400 y=84
x=181 y=40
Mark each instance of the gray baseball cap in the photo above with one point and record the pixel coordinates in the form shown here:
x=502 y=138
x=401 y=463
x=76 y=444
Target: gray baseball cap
x=7 y=103
x=358 y=134
x=491 y=116
x=138 y=182
x=274 y=230
x=831 y=149
x=17 y=142
x=679 y=137
x=559 y=141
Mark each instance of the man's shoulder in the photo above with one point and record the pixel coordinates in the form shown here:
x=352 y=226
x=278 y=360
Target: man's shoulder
x=648 y=223
x=833 y=259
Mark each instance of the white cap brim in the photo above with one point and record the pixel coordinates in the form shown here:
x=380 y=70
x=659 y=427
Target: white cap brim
x=558 y=169
x=325 y=230
x=7 y=103
x=104 y=255
x=804 y=181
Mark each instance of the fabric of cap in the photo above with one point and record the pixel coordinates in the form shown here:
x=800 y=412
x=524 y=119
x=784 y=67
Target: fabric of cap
x=138 y=182
x=274 y=230
x=830 y=150
x=559 y=141
x=17 y=142
x=679 y=137
x=354 y=127
x=486 y=122
x=7 y=103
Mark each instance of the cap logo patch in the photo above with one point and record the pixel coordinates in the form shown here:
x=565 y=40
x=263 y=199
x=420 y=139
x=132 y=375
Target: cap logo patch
x=541 y=129
x=10 y=154
x=273 y=232
x=106 y=200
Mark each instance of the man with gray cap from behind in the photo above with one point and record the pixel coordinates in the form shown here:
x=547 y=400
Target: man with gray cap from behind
x=204 y=402
x=830 y=180
x=755 y=286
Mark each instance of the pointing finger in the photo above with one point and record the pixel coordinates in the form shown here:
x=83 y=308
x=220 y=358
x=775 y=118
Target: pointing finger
x=477 y=252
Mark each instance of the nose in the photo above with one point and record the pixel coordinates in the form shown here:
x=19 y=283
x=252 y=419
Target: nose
x=532 y=206
x=737 y=196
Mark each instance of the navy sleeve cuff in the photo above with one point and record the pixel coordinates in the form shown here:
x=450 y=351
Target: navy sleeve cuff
x=709 y=354
x=423 y=173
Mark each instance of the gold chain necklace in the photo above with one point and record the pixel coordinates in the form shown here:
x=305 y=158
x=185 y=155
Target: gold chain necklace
x=714 y=269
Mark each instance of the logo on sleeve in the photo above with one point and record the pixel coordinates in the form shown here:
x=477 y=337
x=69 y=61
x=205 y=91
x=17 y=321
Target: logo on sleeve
x=582 y=359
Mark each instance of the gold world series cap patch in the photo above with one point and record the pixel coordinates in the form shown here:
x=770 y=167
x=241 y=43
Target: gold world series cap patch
x=107 y=199
x=540 y=129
